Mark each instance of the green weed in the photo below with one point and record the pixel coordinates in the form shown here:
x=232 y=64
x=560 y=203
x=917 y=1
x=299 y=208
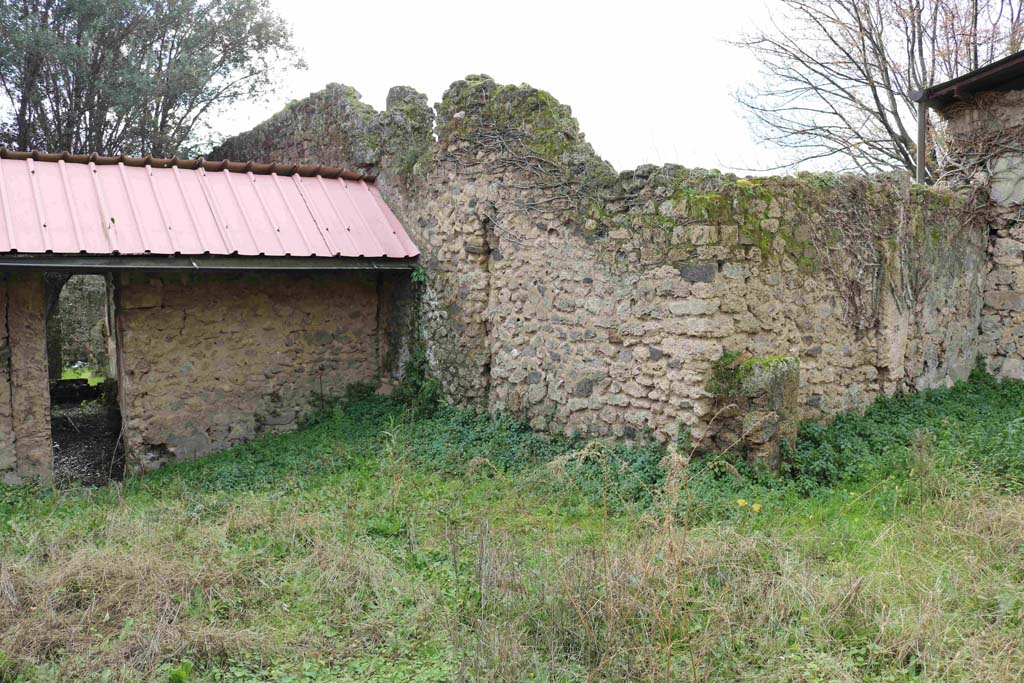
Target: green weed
x=93 y=376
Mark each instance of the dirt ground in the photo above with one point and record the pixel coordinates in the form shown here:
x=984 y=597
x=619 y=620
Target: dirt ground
x=86 y=444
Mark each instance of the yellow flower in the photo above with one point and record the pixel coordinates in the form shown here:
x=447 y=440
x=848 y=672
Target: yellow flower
x=741 y=502
x=756 y=507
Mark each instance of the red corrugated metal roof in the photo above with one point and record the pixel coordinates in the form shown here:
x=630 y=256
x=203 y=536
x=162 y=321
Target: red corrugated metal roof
x=102 y=205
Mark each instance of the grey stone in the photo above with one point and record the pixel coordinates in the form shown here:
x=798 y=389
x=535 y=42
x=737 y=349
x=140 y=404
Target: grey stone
x=1007 y=181
x=1005 y=300
x=476 y=245
x=1012 y=368
x=698 y=272
x=584 y=389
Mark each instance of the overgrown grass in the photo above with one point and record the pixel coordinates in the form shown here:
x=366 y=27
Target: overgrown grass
x=93 y=376
x=387 y=544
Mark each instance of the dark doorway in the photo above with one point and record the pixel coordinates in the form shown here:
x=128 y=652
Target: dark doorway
x=85 y=420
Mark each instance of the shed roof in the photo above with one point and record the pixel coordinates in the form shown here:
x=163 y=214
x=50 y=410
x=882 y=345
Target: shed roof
x=93 y=205
x=1004 y=74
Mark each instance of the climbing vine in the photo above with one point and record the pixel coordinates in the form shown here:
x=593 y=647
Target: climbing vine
x=972 y=155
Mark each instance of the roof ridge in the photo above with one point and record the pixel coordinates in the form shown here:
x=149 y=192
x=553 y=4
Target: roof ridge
x=305 y=170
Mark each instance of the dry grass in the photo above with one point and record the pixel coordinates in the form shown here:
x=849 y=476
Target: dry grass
x=129 y=605
x=376 y=569
x=935 y=598
x=933 y=593
x=145 y=589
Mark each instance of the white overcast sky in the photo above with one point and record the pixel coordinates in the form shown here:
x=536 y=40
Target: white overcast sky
x=650 y=82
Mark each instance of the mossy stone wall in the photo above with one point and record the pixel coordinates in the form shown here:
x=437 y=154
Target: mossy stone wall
x=597 y=301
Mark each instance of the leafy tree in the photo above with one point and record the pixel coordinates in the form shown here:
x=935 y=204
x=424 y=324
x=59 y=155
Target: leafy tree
x=836 y=76
x=131 y=76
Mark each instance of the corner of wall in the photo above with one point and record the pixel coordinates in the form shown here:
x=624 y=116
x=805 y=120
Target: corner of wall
x=8 y=454
x=29 y=377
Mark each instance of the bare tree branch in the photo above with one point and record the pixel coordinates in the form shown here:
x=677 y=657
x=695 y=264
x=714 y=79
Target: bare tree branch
x=836 y=76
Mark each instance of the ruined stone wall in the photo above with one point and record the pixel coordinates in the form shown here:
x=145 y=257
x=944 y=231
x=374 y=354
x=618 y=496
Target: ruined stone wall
x=600 y=302
x=25 y=448
x=590 y=337
x=8 y=457
x=82 y=320
x=311 y=131
x=333 y=127
x=985 y=152
x=617 y=331
x=210 y=361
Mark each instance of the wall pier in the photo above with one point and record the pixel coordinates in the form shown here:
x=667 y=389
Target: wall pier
x=25 y=380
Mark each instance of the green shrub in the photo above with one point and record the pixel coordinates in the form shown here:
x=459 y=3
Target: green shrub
x=620 y=475
x=419 y=390
x=453 y=437
x=978 y=422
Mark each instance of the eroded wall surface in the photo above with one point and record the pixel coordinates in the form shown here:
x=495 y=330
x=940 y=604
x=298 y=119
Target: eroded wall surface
x=594 y=301
x=8 y=457
x=985 y=143
x=25 y=448
x=210 y=361
x=82 y=319
x=587 y=336
x=616 y=331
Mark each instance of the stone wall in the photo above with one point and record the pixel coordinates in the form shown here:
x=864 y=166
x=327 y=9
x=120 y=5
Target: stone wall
x=8 y=456
x=82 y=321
x=587 y=336
x=984 y=140
x=25 y=449
x=210 y=361
x=312 y=131
x=600 y=302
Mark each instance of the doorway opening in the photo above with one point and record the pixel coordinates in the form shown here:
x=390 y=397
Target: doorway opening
x=85 y=419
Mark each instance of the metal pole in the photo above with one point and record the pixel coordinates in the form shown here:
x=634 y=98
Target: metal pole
x=922 y=140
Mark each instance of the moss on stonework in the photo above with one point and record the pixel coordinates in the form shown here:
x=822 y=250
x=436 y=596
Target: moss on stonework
x=821 y=181
x=772 y=214
x=653 y=203
x=759 y=375
x=331 y=127
x=733 y=378
x=713 y=207
x=748 y=203
x=665 y=215
x=477 y=103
